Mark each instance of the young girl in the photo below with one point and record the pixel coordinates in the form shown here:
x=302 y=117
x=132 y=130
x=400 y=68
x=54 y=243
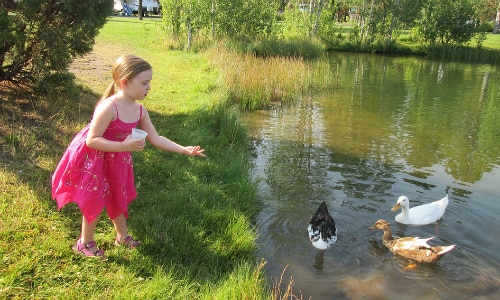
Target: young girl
x=96 y=171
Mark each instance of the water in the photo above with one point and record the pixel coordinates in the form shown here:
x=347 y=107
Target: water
x=386 y=127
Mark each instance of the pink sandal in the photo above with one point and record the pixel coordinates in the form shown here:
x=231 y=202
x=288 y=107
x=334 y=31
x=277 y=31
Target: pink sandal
x=129 y=242
x=84 y=249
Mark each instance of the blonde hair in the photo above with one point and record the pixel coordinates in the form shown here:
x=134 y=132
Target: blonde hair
x=126 y=66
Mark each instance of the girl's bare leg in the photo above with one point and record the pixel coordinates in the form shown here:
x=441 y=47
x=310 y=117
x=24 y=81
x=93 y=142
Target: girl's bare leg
x=120 y=223
x=87 y=234
x=121 y=233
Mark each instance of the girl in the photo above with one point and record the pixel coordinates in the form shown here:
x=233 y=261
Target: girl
x=96 y=171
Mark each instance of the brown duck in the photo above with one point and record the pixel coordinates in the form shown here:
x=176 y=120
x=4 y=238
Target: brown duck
x=412 y=248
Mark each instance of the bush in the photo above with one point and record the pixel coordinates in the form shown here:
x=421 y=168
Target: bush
x=38 y=38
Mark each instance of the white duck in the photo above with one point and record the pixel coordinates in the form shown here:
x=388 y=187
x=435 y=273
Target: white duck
x=322 y=230
x=422 y=214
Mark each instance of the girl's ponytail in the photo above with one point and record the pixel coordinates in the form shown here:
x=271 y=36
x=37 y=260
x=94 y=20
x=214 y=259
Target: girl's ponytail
x=110 y=91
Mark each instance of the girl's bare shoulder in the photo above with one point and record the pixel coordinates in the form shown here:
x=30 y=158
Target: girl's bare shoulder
x=105 y=107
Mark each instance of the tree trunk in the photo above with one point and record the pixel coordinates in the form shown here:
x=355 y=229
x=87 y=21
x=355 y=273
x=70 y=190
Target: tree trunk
x=496 y=29
x=368 y=24
x=318 y=17
x=139 y=10
x=391 y=27
x=213 y=20
x=190 y=33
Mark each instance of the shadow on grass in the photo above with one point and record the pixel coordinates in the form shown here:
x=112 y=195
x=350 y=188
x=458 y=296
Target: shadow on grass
x=185 y=206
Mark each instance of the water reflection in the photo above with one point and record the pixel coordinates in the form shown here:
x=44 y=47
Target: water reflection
x=386 y=127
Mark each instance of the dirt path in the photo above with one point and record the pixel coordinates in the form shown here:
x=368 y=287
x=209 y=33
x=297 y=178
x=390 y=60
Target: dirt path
x=94 y=69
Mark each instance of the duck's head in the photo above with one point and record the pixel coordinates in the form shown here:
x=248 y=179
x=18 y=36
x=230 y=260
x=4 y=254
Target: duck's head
x=403 y=201
x=381 y=225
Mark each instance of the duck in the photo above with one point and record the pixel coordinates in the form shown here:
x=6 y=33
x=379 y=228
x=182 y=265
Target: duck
x=413 y=248
x=322 y=230
x=419 y=215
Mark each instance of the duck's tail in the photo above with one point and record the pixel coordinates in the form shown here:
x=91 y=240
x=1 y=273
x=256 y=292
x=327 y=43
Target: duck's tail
x=446 y=249
x=444 y=202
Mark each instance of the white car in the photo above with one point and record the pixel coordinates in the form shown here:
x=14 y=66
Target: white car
x=130 y=7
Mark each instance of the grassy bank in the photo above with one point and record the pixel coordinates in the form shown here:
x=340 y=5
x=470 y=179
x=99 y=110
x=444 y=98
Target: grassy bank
x=487 y=50
x=194 y=216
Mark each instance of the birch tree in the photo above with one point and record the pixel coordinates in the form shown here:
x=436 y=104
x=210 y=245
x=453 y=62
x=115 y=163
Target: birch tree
x=496 y=28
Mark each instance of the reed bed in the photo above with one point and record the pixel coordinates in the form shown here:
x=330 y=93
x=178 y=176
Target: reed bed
x=255 y=82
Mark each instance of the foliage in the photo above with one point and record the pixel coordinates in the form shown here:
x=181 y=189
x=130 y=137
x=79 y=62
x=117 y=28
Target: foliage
x=238 y=19
x=243 y=18
x=295 y=22
x=447 y=21
x=179 y=14
x=40 y=37
x=485 y=11
x=378 y=24
x=407 y=11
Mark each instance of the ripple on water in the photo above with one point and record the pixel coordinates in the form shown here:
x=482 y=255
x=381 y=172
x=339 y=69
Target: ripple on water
x=358 y=265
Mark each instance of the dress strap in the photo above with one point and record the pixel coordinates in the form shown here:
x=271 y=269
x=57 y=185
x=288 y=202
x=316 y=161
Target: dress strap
x=116 y=108
x=140 y=114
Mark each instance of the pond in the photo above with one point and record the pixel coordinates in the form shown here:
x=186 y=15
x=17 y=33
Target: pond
x=386 y=127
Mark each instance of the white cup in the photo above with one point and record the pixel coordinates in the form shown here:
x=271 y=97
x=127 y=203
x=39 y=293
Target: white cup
x=139 y=134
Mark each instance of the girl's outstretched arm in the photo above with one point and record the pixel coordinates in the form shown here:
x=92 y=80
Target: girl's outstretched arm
x=164 y=143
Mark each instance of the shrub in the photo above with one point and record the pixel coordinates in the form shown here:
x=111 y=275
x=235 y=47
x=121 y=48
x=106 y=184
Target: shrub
x=38 y=38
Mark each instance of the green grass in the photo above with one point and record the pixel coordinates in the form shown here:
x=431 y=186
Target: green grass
x=492 y=42
x=193 y=215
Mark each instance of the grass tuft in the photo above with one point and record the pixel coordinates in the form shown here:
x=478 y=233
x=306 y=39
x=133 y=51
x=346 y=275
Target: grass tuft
x=254 y=82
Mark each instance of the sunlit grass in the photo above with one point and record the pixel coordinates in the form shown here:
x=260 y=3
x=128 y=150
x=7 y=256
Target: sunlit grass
x=194 y=216
x=492 y=41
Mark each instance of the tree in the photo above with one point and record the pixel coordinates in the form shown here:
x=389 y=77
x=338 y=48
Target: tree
x=320 y=6
x=139 y=10
x=496 y=28
x=220 y=18
x=41 y=37
x=244 y=18
x=447 y=21
x=403 y=13
x=186 y=17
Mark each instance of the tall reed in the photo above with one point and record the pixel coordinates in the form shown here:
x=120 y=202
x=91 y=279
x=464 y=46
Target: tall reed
x=254 y=82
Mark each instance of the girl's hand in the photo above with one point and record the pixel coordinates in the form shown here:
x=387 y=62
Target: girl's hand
x=194 y=151
x=130 y=144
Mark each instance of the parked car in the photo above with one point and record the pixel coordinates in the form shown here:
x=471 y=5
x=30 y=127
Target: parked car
x=131 y=7
x=304 y=7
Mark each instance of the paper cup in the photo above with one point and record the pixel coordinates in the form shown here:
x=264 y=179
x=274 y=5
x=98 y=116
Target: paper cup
x=139 y=134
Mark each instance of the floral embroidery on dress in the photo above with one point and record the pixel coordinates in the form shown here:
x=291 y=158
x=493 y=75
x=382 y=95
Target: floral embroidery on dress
x=105 y=188
x=121 y=136
x=127 y=159
x=124 y=191
x=88 y=163
x=83 y=180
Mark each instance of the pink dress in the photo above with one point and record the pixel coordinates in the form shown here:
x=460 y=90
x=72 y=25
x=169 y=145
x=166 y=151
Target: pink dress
x=95 y=179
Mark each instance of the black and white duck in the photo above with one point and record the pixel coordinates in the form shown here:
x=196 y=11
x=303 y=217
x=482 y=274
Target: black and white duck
x=322 y=230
